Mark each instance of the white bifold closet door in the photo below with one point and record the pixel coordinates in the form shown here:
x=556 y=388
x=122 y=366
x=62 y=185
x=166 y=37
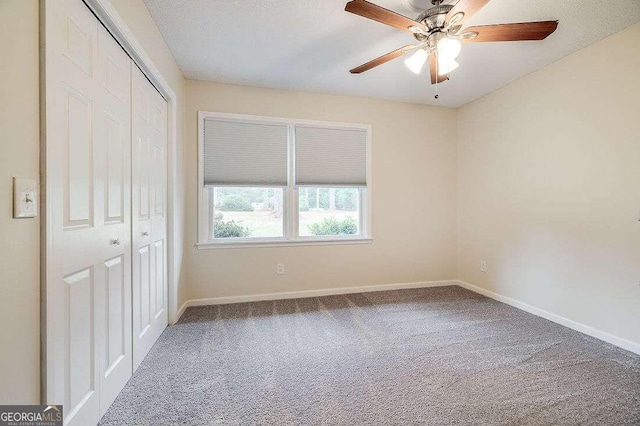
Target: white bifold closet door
x=88 y=213
x=106 y=203
x=149 y=240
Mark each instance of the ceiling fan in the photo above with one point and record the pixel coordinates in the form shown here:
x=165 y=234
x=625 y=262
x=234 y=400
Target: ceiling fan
x=439 y=33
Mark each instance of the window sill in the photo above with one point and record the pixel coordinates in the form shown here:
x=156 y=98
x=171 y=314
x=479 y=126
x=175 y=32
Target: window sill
x=260 y=244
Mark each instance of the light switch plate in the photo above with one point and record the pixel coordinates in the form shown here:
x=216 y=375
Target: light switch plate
x=25 y=198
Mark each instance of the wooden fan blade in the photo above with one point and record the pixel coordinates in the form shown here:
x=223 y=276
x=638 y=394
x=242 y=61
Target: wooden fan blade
x=511 y=32
x=380 y=14
x=468 y=7
x=382 y=59
x=433 y=65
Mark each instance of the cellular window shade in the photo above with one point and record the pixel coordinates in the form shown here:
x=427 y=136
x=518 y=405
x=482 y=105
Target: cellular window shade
x=330 y=156
x=238 y=153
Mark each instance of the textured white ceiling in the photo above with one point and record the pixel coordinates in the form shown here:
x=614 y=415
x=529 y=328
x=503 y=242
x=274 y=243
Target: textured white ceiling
x=310 y=45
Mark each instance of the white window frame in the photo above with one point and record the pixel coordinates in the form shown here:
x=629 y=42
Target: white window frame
x=290 y=198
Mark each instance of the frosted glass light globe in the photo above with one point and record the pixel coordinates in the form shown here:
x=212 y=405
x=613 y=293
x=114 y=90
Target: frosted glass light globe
x=449 y=48
x=417 y=60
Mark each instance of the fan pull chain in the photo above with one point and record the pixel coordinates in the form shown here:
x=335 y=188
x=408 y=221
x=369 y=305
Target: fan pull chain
x=437 y=74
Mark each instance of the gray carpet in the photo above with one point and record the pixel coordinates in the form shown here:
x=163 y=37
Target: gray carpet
x=437 y=356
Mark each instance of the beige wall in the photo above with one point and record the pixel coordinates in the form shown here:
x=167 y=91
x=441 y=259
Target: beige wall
x=549 y=188
x=20 y=256
x=413 y=153
x=19 y=152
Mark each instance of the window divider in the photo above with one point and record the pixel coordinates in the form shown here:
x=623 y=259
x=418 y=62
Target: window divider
x=294 y=212
x=291 y=231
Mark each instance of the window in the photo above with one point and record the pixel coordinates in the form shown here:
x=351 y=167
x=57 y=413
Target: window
x=247 y=212
x=266 y=181
x=328 y=211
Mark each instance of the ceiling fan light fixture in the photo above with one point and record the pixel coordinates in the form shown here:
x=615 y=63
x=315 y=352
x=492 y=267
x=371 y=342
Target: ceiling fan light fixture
x=446 y=66
x=439 y=31
x=449 y=48
x=417 y=61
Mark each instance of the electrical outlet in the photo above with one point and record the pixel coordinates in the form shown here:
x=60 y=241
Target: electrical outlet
x=280 y=269
x=483 y=266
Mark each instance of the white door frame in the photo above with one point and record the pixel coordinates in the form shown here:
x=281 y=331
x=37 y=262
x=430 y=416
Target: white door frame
x=109 y=17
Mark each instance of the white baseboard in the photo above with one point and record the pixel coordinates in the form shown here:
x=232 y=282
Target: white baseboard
x=310 y=293
x=593 y=332
x=181 y=310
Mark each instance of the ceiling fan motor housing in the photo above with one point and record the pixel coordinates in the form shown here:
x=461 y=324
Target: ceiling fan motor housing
x=433 y=18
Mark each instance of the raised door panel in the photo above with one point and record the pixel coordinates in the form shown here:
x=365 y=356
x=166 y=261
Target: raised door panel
x=78 y=188
x=159 y=279
x=143 y=172
x=144 y=280
x=116 y=354
x=116 y=166
x=79 y=342
x=153 y=265
x=79 y=45
x=141 y=101
x=159 y=180
x=116 y=324
x=117 y=73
